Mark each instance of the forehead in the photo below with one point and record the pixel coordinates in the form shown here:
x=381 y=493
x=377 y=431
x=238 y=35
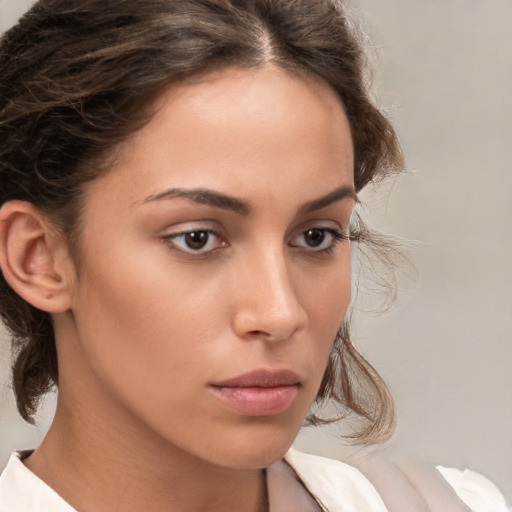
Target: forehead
x=241 y=129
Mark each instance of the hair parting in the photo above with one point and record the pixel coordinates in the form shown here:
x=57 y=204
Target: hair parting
x=79 y=77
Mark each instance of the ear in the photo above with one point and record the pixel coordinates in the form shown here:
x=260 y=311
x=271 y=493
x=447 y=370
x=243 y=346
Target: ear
x=33 y=258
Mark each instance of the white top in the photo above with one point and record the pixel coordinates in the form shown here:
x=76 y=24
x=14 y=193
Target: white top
x=337 y=486
x=343 y=488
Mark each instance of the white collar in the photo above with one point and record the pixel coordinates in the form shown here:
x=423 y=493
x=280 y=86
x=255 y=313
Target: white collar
x=22 y=491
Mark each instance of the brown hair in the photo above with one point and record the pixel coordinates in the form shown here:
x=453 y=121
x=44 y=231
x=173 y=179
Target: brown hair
x=77 y=78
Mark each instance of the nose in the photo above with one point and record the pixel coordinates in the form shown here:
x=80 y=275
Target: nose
x=267 y=304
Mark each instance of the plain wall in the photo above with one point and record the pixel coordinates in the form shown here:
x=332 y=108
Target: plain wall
x=444 y=72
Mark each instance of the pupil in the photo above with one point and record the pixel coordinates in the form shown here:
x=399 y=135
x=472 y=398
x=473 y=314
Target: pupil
x=315 y=237
x=197 y=239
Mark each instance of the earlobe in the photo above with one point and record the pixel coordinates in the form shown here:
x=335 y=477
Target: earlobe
x=30 y=252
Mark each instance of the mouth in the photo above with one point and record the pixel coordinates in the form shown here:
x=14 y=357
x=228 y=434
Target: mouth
x=259 y=393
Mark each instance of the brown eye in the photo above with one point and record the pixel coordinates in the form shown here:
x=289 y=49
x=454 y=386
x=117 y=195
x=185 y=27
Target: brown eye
x=319 y=239
x=314 y=237
x=199 y=241
x=196 y=239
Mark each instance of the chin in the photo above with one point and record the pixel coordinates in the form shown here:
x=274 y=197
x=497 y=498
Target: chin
x=253 y=459
x=254 y=448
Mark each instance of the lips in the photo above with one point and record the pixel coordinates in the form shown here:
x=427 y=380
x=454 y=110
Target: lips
x=259 y=393
x=262 y=379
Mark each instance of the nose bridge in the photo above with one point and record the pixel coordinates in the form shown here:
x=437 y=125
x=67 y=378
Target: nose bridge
x=269 y=304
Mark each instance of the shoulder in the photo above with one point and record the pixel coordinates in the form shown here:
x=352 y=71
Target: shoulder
x=380 y=484
x=22 y=491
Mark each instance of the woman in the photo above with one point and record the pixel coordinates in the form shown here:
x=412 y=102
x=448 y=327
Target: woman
x=178 y=187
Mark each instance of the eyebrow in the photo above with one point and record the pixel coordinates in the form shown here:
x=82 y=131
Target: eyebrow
x=205 y=196
x=337 y=194
x=241 y=206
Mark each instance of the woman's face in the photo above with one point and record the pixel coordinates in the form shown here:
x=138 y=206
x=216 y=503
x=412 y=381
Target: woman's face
x=215 y=268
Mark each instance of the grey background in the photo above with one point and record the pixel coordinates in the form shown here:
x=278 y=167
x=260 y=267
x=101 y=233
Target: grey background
x=444 y=71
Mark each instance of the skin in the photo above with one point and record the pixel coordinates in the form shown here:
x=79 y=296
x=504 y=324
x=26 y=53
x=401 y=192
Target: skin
x=149 y=324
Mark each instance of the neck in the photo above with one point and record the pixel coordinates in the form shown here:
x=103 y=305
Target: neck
x=94 y=465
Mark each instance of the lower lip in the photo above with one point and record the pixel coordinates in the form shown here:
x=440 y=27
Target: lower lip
x=255 y=401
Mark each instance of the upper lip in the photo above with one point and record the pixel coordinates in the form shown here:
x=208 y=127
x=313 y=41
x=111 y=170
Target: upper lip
x=261 y=379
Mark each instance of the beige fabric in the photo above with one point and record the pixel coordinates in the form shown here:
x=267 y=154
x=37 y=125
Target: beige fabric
x=397 y=485
x=475 y=489
x=22 y=491
x=286 y=493
x=338 y=487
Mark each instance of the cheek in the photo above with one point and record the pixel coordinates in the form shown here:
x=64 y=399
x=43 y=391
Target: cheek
x=148 y=324
x=326 y=293
x=326 y=299
x=137 y=327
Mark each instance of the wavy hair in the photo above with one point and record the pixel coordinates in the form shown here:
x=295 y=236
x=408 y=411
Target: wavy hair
x=78 y=77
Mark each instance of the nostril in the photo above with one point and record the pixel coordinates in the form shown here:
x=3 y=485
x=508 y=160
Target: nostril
x=270 y=327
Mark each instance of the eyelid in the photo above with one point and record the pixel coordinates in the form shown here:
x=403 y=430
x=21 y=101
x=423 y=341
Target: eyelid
x=173 y=245
x=323 y=224
x=180 y=230
x=336 y=234
x=332 y=230
x=190 y=225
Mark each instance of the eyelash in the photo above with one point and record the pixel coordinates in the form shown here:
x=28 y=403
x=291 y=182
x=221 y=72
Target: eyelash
x=336 y=235
x=170 y=239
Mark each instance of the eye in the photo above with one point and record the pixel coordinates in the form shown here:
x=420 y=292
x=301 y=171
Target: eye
x=197 y=241
x=319 y=239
